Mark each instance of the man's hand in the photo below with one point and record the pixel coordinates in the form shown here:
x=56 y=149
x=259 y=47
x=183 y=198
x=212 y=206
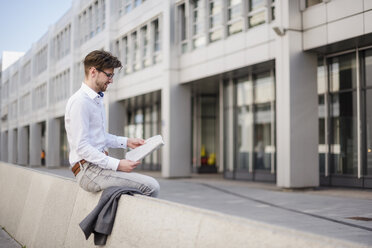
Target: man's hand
x=127 y=165
x=135 y=142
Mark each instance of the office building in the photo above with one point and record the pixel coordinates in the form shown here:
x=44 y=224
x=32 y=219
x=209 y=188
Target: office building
x=260 y=90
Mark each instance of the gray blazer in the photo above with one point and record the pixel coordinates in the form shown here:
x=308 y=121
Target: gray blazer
x=101 y=220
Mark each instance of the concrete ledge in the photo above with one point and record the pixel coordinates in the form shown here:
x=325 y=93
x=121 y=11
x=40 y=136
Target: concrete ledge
x=42 y=210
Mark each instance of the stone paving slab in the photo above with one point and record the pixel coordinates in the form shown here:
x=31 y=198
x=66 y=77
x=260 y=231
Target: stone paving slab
x=7 y=241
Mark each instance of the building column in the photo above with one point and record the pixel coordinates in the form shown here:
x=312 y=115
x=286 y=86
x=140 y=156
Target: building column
x=12 y=146
x=116 y=122
x=35 y=144
x=297 y=104
x=52 y=153
x=176 y=130
x=4 y=146
x=22 y=146
x=175 y=105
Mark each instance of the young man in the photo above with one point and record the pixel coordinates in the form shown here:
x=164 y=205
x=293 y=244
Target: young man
x=85 y=126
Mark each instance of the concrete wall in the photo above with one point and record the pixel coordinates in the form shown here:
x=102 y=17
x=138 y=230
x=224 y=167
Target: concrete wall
x=42 y=210
x=334 y=21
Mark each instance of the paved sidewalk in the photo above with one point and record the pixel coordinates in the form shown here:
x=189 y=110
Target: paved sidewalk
x=6 y=241
x=333 y=212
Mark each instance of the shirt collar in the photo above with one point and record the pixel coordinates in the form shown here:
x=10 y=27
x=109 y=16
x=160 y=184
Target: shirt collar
x=91 y=93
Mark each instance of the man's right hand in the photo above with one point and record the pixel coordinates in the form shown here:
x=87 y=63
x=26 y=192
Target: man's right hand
x=127 y=165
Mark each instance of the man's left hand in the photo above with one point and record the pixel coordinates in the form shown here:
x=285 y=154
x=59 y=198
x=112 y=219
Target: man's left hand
x=135 y=142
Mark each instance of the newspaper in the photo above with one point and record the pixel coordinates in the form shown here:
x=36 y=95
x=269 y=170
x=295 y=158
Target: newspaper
x=151 y=144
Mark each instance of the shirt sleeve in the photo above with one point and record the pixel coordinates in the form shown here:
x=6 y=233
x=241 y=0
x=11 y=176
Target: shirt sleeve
x=79 y=132
x=114 y=141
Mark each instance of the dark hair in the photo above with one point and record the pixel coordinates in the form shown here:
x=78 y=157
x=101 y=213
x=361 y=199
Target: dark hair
x=100 y=60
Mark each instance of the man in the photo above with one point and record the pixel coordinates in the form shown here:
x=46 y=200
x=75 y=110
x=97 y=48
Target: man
x=85 y=126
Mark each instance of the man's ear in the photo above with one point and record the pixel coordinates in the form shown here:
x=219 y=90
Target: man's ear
x=93 y=72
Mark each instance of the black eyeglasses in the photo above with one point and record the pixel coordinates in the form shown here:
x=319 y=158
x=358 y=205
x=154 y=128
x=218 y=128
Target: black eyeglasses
x=109 y=75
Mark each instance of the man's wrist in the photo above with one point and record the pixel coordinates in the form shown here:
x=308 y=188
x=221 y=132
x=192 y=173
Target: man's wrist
x=113 y=163
x=123 y=142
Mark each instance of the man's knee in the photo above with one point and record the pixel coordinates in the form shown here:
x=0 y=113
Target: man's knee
x=154 y=187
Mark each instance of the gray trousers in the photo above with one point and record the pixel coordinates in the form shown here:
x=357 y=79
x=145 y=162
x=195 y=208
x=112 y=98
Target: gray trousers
x=93 y=178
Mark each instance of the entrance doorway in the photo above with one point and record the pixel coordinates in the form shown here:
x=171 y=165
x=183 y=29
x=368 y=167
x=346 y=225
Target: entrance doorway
x=205 y=133
x=205 y=126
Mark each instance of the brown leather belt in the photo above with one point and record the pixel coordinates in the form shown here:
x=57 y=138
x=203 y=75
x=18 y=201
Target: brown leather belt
x=76 y=168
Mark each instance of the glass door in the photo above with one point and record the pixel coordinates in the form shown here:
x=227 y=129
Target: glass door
x=343 y=115
x=367 y=96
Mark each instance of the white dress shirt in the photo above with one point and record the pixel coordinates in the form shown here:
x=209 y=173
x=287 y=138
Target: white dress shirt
x=85 y=122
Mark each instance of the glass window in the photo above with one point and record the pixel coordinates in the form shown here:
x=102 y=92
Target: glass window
x=96 y=15
x=146 y=61
x=343 y=72
x=126 y=64
x=257 y=12
x=368 y=68
x=263 y=88
x=244 y=119
x=368 y=148
x=198 y=39
x=272 y=10
x=322 y=147
x=312 y=2
x=344 y=152
x=264 y=110
x=103 y=11
x=128 y=6
x=215 y=20
x=228 y=96
x=343 y=115
x=256 y=4
x=135 y=57
x=234 y=16
x=182 y=27
x=156 y=55
x=137 y=2
x=117 y=50
x=91 y=30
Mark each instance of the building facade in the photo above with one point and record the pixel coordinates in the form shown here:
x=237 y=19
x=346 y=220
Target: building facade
x=261 y=90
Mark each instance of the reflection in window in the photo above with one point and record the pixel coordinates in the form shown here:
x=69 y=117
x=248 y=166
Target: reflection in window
x=368 y=147
x=342 y=72
x=322 y=147
x=264 y=109
x=312 y=2
x=128 y=6
x=344 y=151
x=198 y=38
x=343 y=115
x=368 y=110
x=257 y=12
x=229 y=141
x=244 y=149
x=234 y=16
x=156 y=31
x=272 y=10
x=255 y=103
x=146 y=60
x=215 y=20
x=182 y=27
x=143 y=116
x=136 y=64
x=126 y=63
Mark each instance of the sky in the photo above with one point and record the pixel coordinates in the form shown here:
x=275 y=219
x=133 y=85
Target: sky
x=24 y=22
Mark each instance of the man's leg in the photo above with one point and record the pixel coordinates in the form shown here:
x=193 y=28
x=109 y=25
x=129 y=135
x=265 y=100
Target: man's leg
x=93 y=179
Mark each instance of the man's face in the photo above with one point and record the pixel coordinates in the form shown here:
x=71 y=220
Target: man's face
x=104 y=79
